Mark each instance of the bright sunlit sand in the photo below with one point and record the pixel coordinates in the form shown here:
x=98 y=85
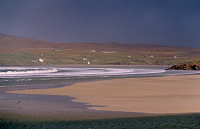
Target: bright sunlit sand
x=169 y=94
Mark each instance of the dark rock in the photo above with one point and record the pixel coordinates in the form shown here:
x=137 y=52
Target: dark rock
x=187 y=66
x=195 y=67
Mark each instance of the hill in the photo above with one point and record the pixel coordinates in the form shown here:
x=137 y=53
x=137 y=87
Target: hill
x=25 y=51
x=8 y=42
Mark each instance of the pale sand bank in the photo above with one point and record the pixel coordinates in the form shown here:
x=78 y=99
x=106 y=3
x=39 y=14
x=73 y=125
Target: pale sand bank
x=170 y=94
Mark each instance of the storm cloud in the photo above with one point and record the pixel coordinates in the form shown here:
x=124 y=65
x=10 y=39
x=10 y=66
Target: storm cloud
x=167 y=22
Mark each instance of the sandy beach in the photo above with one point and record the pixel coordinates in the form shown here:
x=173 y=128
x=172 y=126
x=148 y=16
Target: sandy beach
x=169 y=94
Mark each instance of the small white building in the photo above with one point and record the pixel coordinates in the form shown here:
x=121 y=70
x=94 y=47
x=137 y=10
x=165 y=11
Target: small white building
x=84 y=58
x=56 y=50
x=109 y=51
x=41 y=60
x=92 y=50
x=88 y=63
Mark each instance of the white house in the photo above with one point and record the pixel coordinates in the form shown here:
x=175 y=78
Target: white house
x=92 y=50
x=41 y=60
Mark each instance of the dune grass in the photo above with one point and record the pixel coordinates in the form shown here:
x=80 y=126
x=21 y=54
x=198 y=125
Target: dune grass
x=191 y=121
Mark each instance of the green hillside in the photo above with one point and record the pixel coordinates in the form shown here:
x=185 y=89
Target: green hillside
x=24 y=51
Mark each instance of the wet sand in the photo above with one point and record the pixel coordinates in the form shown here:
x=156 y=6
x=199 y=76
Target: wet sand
x=170 y=94
x=39 y=106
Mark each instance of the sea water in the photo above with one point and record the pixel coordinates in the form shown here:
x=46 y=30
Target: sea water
x=11 y=76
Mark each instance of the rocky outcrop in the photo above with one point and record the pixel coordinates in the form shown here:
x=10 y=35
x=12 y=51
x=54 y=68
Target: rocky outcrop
x=188 y=66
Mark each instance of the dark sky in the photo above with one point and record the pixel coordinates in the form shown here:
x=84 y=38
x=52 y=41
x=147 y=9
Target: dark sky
x=168 y=22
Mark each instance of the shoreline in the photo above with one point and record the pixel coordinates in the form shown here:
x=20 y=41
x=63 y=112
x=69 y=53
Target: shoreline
x=49 y=107
x=93 y=66
x=167 y=98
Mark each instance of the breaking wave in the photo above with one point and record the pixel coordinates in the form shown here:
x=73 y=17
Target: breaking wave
x=72 y=72
x=25 y=71
x=10 y=76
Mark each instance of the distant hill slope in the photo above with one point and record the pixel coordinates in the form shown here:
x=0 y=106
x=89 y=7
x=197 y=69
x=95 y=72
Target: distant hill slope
x=14 y=42
x=25 y=51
